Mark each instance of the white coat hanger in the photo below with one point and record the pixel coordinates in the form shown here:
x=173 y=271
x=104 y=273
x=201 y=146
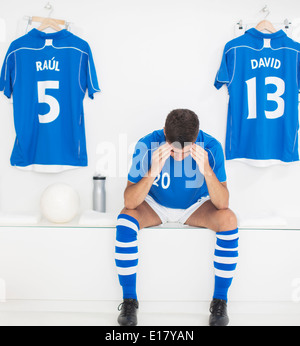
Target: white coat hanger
x=241 y=26
x=266 y=24
x=48 y=22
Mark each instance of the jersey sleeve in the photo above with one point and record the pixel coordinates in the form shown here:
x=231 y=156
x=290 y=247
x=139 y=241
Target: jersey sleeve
x=8 y=73
x=141 y=162
x=89 y=80
x=218 y=162
x=225 y=73
x=298 y=70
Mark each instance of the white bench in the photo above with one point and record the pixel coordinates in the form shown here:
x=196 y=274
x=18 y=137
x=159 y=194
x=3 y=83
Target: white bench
x=76 y=263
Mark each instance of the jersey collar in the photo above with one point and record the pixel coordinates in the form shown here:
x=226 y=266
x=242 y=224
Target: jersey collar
x=256 y=33
x=53 y=35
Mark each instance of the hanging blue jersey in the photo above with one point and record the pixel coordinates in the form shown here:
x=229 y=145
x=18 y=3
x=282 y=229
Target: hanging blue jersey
x=262 y=73
x=48 y=75
x=180 y=183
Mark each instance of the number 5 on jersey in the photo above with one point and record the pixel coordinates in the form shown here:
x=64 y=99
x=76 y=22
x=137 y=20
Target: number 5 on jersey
x=50 y=100
x=276 y=97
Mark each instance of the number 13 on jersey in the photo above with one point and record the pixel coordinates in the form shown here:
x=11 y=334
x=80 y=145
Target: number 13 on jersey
x=252 y=89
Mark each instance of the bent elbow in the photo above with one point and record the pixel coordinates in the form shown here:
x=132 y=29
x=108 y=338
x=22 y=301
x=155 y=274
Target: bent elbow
x=129 y=204
x=224 y=207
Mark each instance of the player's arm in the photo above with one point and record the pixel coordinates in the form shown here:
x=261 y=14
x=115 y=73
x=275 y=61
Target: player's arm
x=218 y=191
x=135 y=194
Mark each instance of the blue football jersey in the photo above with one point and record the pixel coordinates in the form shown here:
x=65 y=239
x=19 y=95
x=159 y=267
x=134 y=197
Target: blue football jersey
x=48 y=75
x=180 y=183
x=262 y=73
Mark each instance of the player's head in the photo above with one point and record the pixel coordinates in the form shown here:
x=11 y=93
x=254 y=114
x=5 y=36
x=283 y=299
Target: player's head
x=181 y=131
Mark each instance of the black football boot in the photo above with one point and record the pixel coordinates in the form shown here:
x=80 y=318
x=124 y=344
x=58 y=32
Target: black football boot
x=218 y=310
x=128 y=315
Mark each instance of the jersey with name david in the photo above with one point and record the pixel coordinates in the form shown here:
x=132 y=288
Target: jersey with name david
x=262 y=73
x=180 y=183
x=48 y=75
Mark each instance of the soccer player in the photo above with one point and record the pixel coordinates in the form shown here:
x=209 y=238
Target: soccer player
x=177 y=168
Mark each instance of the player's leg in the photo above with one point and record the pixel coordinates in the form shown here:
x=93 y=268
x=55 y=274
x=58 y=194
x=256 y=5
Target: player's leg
x=208 y=216
x=126 y=255
x=224 y=223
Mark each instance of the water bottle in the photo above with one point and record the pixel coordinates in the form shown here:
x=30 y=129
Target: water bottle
x=99 y=194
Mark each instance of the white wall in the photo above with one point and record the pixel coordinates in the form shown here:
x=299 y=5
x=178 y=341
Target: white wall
x=152 y=56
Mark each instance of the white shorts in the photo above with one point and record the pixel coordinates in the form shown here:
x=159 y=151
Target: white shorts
x=174 y=215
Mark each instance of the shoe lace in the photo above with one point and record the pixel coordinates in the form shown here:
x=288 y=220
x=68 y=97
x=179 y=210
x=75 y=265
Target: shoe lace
x=218 y=307
x=128 y=306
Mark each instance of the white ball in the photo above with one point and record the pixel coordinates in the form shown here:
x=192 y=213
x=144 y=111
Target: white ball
x=59 y=203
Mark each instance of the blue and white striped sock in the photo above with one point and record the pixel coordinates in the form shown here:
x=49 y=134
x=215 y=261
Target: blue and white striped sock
x=225 y=261
x=126 y=254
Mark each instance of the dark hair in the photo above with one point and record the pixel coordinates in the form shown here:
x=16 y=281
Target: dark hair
x=182 y=125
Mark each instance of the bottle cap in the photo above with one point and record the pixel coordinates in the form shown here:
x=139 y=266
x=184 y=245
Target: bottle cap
x=99 y=177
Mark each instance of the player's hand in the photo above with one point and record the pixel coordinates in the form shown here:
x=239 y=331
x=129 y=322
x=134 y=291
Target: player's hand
x=159 y=159
x=200 y=155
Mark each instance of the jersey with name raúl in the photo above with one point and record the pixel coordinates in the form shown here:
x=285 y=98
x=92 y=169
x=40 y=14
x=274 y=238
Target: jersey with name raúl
x=262 y=73
x=180 y=183
x=48 y=75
